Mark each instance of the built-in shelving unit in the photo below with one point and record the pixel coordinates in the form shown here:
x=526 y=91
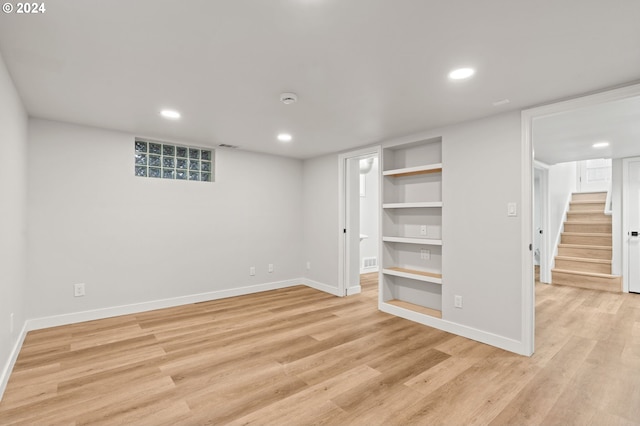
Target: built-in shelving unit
x=411 y=273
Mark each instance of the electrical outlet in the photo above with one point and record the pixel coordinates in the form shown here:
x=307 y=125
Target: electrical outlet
x=425 y=254
x=11 y=326
x=423 y=229
x=457 y=301
x=270 y=267
x=252 y=270
x=78 y=290
x=308 y=265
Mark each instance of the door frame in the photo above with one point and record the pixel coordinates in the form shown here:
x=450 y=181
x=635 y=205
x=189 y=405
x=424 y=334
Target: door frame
x=344 y=255
x=545 y=242
x=625 y=221
x=528 y=117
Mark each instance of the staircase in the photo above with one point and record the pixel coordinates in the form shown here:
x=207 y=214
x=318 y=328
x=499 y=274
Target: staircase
x=584 y=252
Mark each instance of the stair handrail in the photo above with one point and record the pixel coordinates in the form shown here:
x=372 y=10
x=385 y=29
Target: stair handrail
x=608 y=208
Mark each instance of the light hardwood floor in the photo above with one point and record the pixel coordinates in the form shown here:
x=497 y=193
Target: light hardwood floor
x=299 y=356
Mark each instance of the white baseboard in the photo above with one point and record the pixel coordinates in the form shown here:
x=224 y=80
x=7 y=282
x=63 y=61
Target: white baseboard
x=354 y=290
x=13 y=356
x=461 y=330
x=75 y=317
x=320 y=286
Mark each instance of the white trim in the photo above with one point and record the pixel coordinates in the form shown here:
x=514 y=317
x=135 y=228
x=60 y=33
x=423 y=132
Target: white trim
x=134 y=308
x=527 y=333
x=342 y=210
x=584 y=101
x=608 y=208
x=540 y=165
x=322 y=287
x=625 y=222
x=354 y=290
x=13 y=356
x=459 y=329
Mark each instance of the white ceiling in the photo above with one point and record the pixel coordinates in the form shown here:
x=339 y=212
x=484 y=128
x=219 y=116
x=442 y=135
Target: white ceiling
x=570 y=136
x=364 y=70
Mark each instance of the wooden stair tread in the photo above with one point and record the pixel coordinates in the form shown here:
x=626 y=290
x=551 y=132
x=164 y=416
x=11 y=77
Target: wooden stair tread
x=588 y=202
x=588 y=234
x=588 y=212
x=586 y=274
x=583 y=222
x=581 y=246
x=583 y=259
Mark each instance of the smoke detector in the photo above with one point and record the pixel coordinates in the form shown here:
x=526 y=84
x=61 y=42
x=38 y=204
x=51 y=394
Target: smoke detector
x=288 y=98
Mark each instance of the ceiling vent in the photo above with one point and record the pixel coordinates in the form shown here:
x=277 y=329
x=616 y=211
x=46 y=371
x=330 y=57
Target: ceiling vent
x=226 y=145
x=288 y=98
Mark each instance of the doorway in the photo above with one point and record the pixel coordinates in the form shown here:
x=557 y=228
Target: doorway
x=594 y=175
x=359 y=218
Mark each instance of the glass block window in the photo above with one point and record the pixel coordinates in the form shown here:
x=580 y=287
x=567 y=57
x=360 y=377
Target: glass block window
x=166 y=161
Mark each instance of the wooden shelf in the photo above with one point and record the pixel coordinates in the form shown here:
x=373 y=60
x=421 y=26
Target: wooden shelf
x=415 y=308
x=422 y=204
x=423 y=241
x=413 y=274
x=411 y=171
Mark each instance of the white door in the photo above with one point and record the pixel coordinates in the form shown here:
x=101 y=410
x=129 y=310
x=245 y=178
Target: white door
x=537 y=217
x=594 y=175
x=633 y=225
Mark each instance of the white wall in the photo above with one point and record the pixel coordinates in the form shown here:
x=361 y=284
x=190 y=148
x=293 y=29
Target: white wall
x=369 y=209
x=321 y=219
x=562 y=183
x=133 y=239
x=483 y=248
x=13 y=225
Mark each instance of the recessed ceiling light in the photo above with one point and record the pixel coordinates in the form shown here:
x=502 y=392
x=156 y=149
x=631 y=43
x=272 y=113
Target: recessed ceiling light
x=284 y=137
x=602 y=144
x=501 y=102
x=170 y=113
x=461 y=73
